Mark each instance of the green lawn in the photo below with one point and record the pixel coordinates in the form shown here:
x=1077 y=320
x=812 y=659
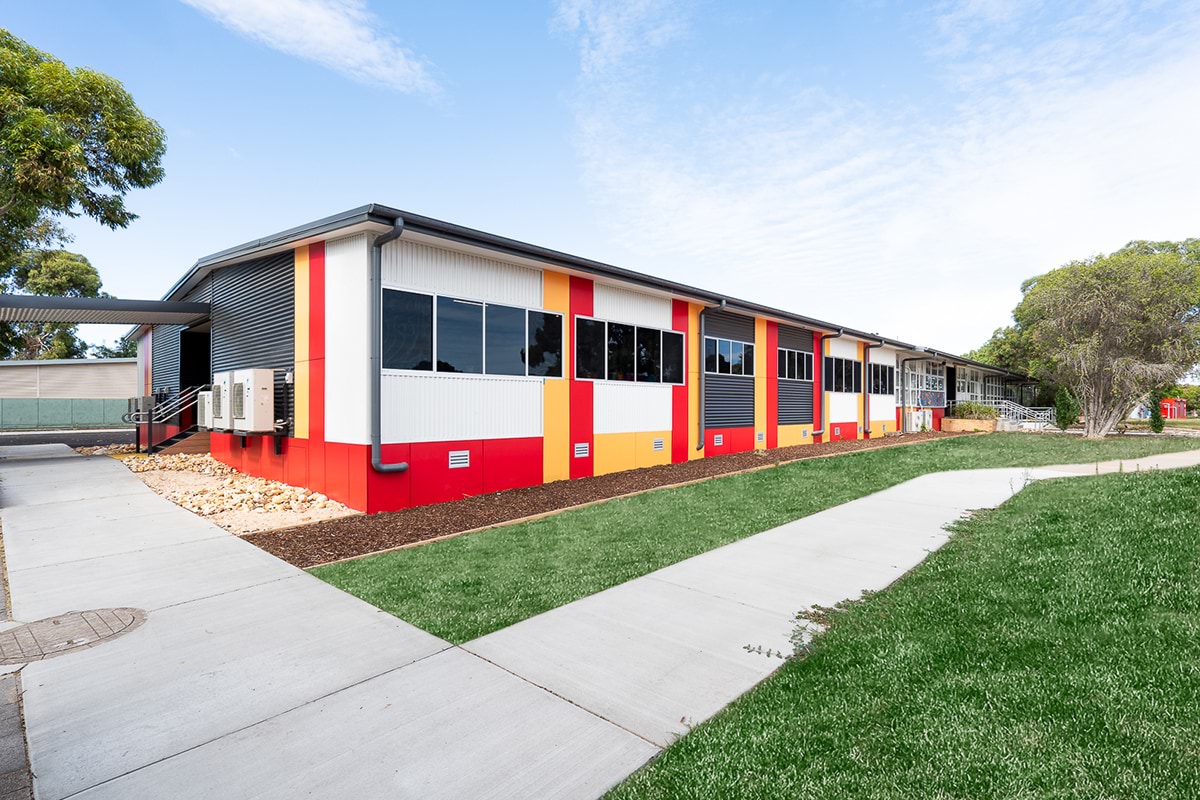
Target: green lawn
x=1050 y=649
x=462 y=588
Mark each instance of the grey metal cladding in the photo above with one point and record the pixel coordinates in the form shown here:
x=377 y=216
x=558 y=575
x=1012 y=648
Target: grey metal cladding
x=254 y=320
x=728 y=401
x=253 y=314
x=727 y=325
x=795 y=403
x=800 y=339
x=164 y=357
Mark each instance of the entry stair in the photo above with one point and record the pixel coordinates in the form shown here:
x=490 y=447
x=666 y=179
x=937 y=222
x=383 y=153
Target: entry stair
x=155 y=411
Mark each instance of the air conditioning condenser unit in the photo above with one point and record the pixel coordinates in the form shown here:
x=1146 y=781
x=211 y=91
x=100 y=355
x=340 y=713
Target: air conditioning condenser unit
x=252 y=400
x=204 y=417
x=222 y=387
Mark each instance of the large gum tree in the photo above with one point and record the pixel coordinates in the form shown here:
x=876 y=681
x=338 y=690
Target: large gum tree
x=1115 y=328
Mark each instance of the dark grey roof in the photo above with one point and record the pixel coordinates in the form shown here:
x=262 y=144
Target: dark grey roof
x=386 y=215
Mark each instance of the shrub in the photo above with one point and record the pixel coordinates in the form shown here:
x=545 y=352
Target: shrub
x=1156 y=417
x=1066 y=409
x=969 y=409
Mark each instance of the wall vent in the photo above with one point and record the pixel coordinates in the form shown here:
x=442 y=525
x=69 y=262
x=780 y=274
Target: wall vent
x=718 y=439
x=582 y=449
x=762 y=437
x=659 y=444
x=804 y=434
x=460 y=459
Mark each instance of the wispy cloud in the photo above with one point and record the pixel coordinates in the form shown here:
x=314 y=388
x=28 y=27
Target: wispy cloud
x=1053 y=146
x=342 y=35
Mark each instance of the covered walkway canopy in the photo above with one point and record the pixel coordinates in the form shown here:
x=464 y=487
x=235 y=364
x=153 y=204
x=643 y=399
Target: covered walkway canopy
x=99 y=310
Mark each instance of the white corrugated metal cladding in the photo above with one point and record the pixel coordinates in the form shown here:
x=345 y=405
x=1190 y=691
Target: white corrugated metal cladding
x=428 y=407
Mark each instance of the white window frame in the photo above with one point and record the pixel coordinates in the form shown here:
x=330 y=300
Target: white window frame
x=868 y=383
x=825 y=372
x=636 y=327
x=718 y=340
x=562 y=321
x=807 y=358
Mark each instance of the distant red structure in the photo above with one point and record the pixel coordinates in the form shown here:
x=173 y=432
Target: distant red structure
x=1173 y=408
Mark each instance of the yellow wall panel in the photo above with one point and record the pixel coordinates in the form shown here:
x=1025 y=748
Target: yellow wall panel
x=882 y=427
x=695 y=364
x=645 y=455
x=614 y=452
x=791 y=435
x=556 y=393
x=300 y=384
x=760 y=384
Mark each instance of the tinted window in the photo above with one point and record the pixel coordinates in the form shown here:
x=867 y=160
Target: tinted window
x=672 y=357
x=735 y=358
x=827 y=377
x=748 y=359
x=545 y=344
x=407 y=330
x=460 y=336
x=620 y=352
x=505 y=341
x=589 y=348
x=783 y=363
x=856 y=372
x=649 y=355
x=710 y=355
x=724 y=355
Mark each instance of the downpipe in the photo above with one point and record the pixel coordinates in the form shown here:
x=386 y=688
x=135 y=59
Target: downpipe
x=377 y=348
x=703 y=332
x=821 y=389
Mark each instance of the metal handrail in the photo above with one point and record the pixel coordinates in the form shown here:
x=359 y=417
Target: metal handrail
x=181 y=402
x=1012 y=410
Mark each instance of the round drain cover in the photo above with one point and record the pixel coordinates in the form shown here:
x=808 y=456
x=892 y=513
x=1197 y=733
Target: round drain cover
x=66 y=633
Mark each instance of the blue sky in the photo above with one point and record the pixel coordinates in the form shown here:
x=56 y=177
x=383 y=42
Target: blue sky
x=891 y=166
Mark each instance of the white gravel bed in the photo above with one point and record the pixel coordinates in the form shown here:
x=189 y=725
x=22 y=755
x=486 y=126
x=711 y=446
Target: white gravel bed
x=237 y=502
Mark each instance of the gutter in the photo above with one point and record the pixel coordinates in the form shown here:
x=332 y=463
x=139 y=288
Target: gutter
x=866 y=393
x=376 y=287
x=821 y=355
x=703 y=370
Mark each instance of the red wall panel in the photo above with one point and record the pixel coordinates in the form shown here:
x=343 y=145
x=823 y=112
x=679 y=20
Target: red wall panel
x=511 y=463
x=818 y=392
x=432 y=479
x=581 y=391
x=679 y=394
x=938 y=413
x=387 y=491
x=772 y=385
x=734 y=440
x=316 y=374
x=842 y=431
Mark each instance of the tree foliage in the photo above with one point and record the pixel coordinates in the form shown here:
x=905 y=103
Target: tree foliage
x=1114 y=328
x=57 y=273
x=72 y=142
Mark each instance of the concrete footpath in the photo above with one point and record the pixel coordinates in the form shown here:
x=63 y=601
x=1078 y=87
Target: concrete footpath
x=251 y=679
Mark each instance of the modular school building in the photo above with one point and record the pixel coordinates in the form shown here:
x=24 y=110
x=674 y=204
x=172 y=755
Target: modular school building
x=411 y=361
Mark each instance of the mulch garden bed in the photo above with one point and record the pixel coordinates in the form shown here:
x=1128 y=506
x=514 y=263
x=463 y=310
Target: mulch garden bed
x=349 y=537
